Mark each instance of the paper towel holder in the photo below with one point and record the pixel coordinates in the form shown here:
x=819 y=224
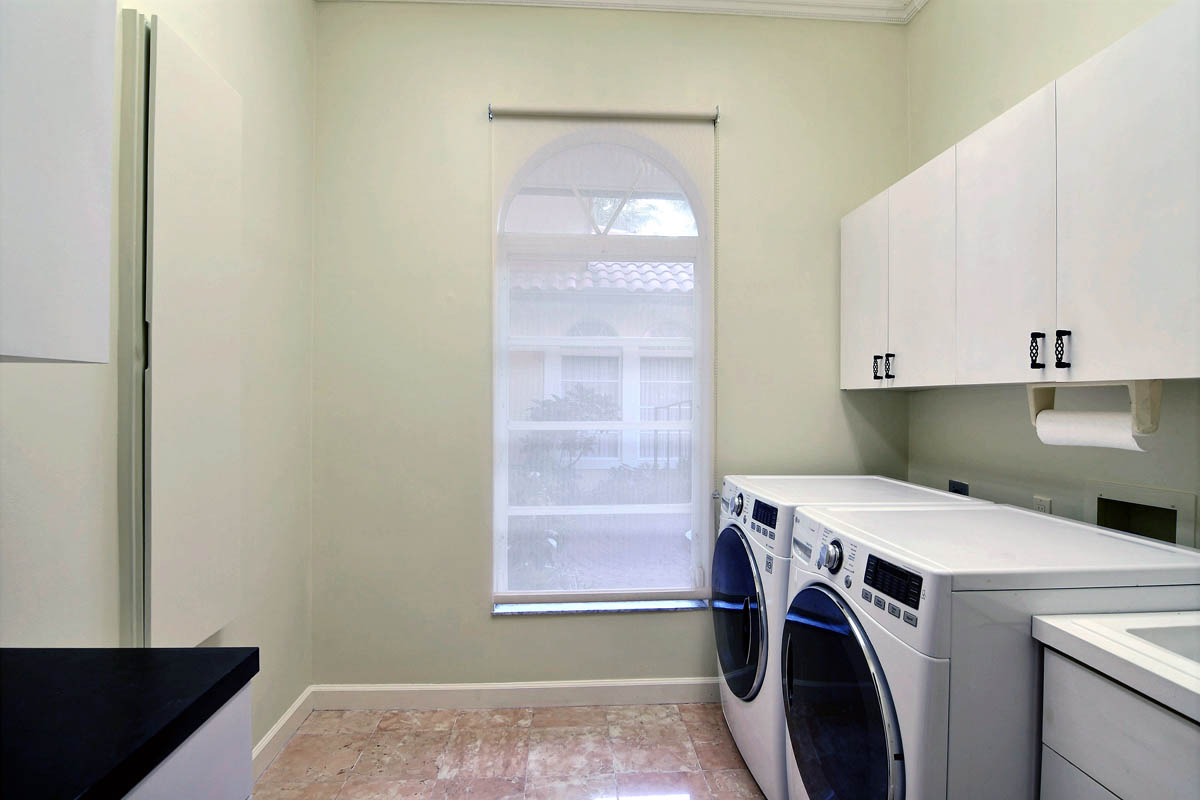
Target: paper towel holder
x=1145 y=400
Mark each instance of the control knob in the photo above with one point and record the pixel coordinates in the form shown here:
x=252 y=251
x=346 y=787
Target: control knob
x=738 y=503
x=830 y=556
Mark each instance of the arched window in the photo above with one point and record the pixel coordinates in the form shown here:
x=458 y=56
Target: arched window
x=602 y=260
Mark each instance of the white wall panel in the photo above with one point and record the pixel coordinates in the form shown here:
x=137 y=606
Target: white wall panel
x=194 y=285
x=57 y=60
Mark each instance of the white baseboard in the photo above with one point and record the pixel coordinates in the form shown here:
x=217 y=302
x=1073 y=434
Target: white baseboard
x=479 y=695
x=508 y=695
x=273 y=741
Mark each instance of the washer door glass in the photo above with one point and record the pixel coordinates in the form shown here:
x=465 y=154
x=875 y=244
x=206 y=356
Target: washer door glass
x=739 y=614
x=839 y=715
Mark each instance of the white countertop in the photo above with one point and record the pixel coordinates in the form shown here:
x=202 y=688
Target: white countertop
x=1145 y=651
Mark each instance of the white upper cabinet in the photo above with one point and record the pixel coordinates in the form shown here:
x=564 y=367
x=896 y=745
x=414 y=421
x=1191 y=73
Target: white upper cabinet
x=921 y=276
x=864 y=293
x=1129 y=204
x=57 y=70
x=1076 y=215
x=1006 y=245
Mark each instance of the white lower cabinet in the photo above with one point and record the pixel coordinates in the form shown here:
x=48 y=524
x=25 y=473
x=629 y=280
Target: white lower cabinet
x=1132 y=747
x=921 y=276
x=1062 y=780
x=214 y=763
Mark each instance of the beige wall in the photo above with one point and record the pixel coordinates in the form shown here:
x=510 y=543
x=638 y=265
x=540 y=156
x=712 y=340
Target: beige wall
x=983 y=435
x=968 y=61
x=59 y=563
x=812 y=122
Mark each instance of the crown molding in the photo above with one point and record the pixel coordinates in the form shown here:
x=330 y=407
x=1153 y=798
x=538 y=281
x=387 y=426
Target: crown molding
x=894 y=11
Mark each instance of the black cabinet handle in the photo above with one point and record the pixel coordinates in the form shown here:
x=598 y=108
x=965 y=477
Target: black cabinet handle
x=1060 y=350
x=875 y=368
x=1035 y=350
x=887 y=365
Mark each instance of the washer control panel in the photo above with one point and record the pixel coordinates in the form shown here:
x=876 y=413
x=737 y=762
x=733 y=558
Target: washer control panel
x=763 y=520
x=757 y=517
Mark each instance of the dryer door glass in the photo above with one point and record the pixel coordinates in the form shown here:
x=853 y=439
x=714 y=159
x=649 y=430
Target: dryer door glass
x=839 y=715
x=739 y=615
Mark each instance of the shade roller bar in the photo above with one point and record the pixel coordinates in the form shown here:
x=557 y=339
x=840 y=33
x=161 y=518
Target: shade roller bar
x=706 y=115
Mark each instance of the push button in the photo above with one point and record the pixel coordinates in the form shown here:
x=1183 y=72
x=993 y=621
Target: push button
x=866 y=595
x=894 y=610
x=879 y=602
x=910 y=618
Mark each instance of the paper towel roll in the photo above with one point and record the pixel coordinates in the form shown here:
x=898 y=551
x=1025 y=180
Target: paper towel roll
x=1088 y=429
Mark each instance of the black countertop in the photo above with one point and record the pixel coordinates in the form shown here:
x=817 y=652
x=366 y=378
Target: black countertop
x=91 y=723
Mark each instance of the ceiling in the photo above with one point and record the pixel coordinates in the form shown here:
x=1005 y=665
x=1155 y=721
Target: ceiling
x=897 y=11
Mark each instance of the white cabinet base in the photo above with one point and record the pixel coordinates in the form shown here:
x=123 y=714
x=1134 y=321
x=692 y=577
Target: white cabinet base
x=214 y=763
x=1062 y=780
x=1134 y=747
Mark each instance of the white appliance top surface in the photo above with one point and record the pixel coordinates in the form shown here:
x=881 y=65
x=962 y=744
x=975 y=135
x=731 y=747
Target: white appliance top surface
x=825 y=490
x=1002 y=547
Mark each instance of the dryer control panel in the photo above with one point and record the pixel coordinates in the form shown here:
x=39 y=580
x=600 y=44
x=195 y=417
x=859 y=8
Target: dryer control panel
x=894 y=581
x=882 y=585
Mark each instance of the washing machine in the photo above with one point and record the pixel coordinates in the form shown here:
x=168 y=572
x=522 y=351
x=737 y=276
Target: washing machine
x=749 y=597
x=909 y=670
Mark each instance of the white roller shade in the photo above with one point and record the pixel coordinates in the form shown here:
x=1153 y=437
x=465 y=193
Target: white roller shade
x=603 y=275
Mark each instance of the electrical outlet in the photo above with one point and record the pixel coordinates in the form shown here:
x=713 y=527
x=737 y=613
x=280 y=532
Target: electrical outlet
x=1042 y=504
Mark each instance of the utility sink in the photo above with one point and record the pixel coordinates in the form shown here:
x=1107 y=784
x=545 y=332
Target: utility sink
x=1154 y=653
x=1182 y=640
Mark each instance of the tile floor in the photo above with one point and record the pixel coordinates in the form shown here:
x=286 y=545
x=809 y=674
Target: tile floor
x=680 y=752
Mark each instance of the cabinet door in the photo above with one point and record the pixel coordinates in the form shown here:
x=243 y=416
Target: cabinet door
x=1005 y=273
x=1128 y=208
x=921 y=275
x=864 y=292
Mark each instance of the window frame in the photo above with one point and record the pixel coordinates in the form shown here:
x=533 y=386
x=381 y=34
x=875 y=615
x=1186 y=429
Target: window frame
x=602 y=247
